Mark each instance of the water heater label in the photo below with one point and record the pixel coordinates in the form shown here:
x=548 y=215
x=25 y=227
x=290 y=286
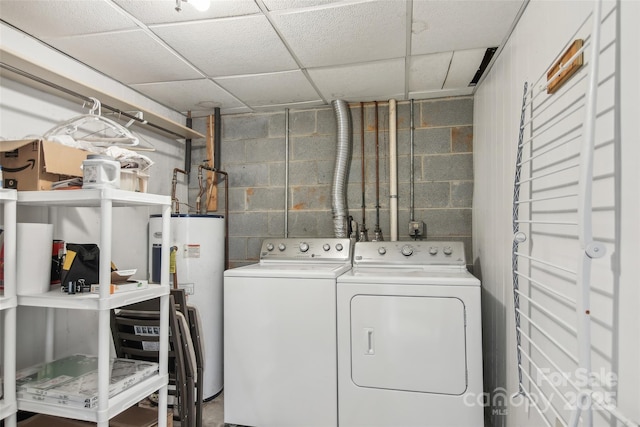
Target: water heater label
x=192 y=251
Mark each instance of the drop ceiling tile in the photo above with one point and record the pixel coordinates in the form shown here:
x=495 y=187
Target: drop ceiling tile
x=361 y=82
x=128 y=56
x=270 y=89
x=56 y=18
x=444 y=93
x=464 y=65
x=345 y=34
x=295 y=4
x=440 y=26
x=292 y=105
x=200 y=95
x=156 y=11
x=231 y=46
x=428 y=72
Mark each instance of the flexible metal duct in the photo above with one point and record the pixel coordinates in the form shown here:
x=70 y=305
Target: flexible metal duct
x=341 y=171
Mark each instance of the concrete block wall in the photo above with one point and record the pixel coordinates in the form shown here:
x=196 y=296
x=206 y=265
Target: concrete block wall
x=253 y=154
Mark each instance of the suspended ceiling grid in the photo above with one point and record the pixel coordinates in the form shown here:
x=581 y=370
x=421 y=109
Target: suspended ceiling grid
x=255 y=55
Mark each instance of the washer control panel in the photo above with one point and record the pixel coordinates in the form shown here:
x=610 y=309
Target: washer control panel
x=329 y=249
x=410 y=253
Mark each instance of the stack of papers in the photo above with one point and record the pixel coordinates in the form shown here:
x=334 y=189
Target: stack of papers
x=73 y=381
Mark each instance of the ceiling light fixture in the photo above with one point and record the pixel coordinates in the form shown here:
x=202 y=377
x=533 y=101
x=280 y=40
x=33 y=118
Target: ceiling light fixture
x=200 y=5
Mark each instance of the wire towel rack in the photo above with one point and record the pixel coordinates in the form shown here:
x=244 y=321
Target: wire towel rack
x=567 y=151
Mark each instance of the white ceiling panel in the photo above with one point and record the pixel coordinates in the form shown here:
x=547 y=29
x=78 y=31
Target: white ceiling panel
x=292 y=105
x=428 y=72
x=56 y=18
x=163 y=11
x=232 y=46
x=345 y=34
x=271 y=89
x=358 y=82
x=441 y=93
x=196 y=95
x=440 y=26
x=295 y=4
x=464 y=65
x=128 y=56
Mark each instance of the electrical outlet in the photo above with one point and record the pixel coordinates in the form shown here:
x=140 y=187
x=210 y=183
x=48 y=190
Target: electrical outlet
x=417 y=229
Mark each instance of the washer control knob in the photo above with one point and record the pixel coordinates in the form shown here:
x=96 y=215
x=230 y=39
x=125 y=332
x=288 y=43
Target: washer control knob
x=282 y=247
x=447 y=250
x=382 y=250
x=270 y=247
x=326 y=247
x=339 y=247
x=407 y=250
x=304 y=247
x=433 y=250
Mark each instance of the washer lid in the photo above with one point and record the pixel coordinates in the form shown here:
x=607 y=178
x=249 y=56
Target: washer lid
x=303 y=270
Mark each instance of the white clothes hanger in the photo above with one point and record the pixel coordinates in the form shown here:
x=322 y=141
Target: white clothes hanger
x=120 y=134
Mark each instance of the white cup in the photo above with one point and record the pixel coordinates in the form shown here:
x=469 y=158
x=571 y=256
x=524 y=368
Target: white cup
x=34 y=243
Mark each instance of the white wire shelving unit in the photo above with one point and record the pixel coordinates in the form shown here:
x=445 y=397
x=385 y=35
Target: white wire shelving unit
x=563 y=287
x=8 y=307
x=106 y=200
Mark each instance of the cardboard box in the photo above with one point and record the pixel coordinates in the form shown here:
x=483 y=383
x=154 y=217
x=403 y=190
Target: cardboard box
x=33 y=164
x=136 y=416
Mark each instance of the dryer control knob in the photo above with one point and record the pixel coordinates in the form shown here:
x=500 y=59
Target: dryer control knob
x=270 y=247
x=339 y=247
x=447 y=250
x=433 y=250
x=407 y=250
x=382 y=250
x=304 y=247
x=326 y=247
x=282 y=246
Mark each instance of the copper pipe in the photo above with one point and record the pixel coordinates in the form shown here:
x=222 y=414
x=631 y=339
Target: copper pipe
x=203 y=188
x=226 y=211
x=377 y=172
x=174 y=183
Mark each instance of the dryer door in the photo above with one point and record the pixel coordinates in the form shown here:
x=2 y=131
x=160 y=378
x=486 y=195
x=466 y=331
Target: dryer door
x=410 y=343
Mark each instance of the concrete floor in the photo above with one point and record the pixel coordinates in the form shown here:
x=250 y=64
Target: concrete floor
x=212 y=413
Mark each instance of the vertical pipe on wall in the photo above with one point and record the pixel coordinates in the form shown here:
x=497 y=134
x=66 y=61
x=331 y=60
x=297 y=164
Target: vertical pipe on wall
x=341 y=171
x=411 y=160
x=393 y=172
x=217 y=138
x=187 y=147
x=362 y=162
x=286 y=172
x=377 y=237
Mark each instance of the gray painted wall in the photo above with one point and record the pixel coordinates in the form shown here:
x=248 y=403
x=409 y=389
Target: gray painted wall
x=253 y=153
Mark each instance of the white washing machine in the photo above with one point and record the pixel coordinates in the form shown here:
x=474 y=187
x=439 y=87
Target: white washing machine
x=409 y=337
x=280 y=366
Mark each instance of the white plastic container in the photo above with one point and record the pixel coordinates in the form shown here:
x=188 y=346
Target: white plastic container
x=99 y=171
x=33 y=247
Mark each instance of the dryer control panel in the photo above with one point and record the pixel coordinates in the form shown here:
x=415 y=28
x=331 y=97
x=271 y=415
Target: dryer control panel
x=306 y=249
x=410 y=253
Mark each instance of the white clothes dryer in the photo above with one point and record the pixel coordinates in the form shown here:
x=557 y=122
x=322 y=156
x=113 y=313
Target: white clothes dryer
x=409 y=337
x=280 y=365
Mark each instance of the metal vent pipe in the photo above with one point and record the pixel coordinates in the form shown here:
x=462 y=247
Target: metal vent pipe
x=341 y=171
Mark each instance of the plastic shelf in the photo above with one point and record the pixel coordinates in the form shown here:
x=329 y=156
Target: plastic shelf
x=91 y=198
x=117 y=403
x=91 y=301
